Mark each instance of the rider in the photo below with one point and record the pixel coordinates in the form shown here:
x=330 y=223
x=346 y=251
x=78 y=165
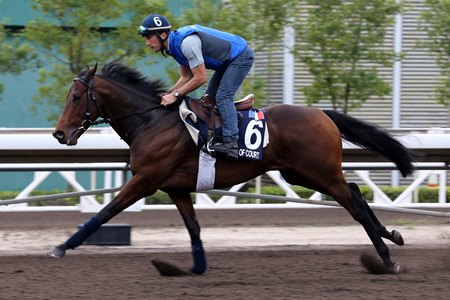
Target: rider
x=197 y=48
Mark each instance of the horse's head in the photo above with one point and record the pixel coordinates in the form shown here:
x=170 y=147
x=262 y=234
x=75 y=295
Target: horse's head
x=80 y=110
x=119 y=95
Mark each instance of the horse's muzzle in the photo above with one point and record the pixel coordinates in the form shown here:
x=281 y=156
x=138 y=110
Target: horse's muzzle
x=59 y=135
x=70 y=140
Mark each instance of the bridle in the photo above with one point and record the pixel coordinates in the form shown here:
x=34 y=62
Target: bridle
x=87 y=122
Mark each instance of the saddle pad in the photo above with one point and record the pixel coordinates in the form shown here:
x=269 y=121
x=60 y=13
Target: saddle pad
x=253 y=132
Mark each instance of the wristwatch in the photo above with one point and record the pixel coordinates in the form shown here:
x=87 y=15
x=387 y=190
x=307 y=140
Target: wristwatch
x=177 y=94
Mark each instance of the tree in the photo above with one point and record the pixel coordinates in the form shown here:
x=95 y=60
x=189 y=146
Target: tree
x=261 y=23
x=436 y=23
x=15 y=55
x=76 y=33
x=252 y=19
x=341 y=44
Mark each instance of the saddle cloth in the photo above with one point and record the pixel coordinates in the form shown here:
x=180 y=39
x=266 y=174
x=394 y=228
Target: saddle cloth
x=253 y=132
x=253 y=137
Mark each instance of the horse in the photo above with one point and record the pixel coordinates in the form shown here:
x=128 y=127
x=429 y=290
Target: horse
x=305 y=146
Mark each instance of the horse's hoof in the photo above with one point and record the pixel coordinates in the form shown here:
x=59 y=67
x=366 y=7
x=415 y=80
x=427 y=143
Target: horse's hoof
x=397 y=238
x=56 y=252
x=375 y=266
x=394 y=268
x=197 y=271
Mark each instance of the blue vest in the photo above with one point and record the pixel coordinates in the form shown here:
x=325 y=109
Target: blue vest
x=219 y=48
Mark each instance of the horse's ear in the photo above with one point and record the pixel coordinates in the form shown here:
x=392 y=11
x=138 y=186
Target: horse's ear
x=94 y=69
x=90 y=72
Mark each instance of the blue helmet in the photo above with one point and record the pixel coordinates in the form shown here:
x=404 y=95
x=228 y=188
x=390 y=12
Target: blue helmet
x=152 y=24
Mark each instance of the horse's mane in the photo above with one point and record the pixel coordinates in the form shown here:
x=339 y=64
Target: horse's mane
x=120 y=73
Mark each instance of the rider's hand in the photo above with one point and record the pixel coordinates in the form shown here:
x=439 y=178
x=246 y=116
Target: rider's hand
x=168 y=99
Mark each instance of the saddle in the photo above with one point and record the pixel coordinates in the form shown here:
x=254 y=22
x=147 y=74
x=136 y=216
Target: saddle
x=206 y=109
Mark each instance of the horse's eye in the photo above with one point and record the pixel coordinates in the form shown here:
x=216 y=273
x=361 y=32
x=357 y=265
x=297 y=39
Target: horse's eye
x=77 y=97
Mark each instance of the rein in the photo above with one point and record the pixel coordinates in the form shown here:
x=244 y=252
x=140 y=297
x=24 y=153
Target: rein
x=87 y=122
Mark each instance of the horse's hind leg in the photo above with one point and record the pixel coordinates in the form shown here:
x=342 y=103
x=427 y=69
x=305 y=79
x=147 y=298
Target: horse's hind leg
x=362 y=213
x=333 y=183
x=183 y=201
x=394 y=236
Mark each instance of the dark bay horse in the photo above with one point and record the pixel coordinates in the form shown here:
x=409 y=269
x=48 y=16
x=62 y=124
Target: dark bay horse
x=305 y=146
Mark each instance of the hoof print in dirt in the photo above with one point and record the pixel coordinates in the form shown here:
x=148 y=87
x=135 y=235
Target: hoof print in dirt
x=168 y=269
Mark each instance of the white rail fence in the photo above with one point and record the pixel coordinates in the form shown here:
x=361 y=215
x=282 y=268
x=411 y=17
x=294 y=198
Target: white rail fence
x=228 y=197
x=19 y=150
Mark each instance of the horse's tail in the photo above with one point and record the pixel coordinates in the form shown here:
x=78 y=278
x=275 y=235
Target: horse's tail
x=374 y=138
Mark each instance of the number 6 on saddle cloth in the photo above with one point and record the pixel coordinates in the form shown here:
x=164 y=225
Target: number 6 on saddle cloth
x=206 y=126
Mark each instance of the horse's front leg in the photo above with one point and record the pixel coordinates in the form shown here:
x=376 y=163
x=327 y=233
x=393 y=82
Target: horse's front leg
x=134 y=190
x=183 y=201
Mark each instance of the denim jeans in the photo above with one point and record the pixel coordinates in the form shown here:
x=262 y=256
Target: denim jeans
x=224 y=85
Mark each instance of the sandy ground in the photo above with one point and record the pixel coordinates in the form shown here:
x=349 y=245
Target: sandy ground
x=252 y=254
x=161 y=230
x=14 y=242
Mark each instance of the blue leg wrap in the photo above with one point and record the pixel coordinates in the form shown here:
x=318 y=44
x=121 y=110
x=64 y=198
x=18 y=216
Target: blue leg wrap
x=91 y=226
x=198 y=254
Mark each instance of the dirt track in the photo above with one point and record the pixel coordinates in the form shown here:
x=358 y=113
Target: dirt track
x=293 y=270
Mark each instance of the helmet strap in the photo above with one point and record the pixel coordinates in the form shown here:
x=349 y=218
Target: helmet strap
x=161 y=41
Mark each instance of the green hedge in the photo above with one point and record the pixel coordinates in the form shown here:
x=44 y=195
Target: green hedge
x=158 y=198
x=6 y=195
x=425 y=195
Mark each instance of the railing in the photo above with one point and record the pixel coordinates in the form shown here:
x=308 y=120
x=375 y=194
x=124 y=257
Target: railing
x=408 y=198
x=403 y=203
x=101 y=150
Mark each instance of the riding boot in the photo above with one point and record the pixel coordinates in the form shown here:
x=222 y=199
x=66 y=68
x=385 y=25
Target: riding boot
x=228 y=149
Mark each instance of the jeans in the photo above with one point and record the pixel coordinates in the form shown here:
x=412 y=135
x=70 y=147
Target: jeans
x=224 y=85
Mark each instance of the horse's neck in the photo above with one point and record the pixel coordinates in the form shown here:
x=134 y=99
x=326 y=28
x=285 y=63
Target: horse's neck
x=128 y=90
x=119 y=99
x=130 y=114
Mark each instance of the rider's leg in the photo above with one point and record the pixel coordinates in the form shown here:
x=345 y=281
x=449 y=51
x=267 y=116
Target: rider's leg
x=230 y=82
